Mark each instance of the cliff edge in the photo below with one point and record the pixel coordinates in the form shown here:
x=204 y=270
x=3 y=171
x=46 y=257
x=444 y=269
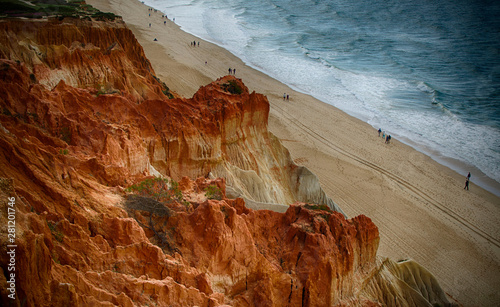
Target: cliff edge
x=88 y=138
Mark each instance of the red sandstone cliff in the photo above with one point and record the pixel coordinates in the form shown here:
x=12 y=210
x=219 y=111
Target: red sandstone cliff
x=218 y=130
x=84 y=117
x=104 y=56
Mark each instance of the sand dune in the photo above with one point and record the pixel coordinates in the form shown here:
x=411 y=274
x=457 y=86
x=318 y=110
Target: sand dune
x=420 y=206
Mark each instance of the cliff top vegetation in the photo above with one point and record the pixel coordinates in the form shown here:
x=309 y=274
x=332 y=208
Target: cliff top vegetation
x=52 y=8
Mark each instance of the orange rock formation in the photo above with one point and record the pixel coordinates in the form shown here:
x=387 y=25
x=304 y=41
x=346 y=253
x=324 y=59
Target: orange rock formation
x=83 y=116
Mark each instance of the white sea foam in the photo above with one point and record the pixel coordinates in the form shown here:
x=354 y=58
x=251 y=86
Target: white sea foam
x=383 y=86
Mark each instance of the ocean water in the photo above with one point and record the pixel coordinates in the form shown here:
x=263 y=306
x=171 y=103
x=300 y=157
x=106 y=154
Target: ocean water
x=427 y=72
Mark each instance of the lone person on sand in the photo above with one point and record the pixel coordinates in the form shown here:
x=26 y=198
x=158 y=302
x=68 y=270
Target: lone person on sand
x=466 y=183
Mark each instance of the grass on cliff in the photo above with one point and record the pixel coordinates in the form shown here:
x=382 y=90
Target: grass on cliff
x=318 y=207
x=52 y=8
x=159 y=189
x=164 y=88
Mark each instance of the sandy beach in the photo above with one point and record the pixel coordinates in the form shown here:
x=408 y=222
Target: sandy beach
x=419 y=205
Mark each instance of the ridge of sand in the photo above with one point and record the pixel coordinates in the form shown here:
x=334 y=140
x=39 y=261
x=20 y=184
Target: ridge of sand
x=420 y=206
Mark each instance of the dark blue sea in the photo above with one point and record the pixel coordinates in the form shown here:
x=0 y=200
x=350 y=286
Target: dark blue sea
x=427 y=72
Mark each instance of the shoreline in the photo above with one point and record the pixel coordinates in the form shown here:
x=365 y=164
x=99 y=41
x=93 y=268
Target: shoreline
x=461 y=167
x=419 y=205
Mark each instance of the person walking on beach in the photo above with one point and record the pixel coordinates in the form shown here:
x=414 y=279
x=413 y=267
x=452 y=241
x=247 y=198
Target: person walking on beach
x=230 y=71
x=287 y=97
x=234 y=71
x=467 y=180
x=379 y=131
x=284 y=96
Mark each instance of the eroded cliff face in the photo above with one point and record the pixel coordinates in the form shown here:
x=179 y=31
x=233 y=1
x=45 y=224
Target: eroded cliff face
x=219 y=252
x=84 y=117
x=103 y=96
x=222 y=130
x=104 y=56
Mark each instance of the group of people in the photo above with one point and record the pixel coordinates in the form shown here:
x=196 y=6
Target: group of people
x=385 y=136
x=286 y=97
x=193 y=44
x=162 y=16
x=153 y=10
x=232 y=71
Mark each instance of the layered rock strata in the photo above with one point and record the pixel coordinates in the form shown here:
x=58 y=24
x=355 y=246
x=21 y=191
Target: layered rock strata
x=83 y=117
x=95 y=77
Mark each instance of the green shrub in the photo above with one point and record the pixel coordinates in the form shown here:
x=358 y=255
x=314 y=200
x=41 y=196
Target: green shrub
x=16 y=6
x=232 y=87
x=150 y=196
x=318 y=207
x=213 y=192
x=55 y=8
x=158 y=189
x=101 y=16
